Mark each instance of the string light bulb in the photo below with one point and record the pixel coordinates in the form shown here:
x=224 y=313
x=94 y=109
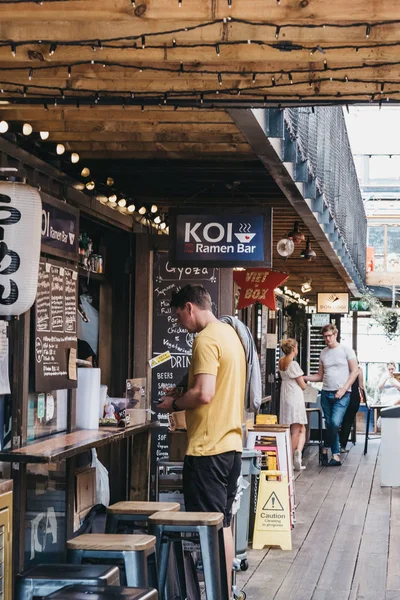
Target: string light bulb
x=367 y=31
x=74 y=158
x=27 y=129
x=163 y=225
x=60 y=149
x=122 y=203
x=112 y=199
x=131 y=207
x=90 y=185
x=157 y=219
x=277 y=30
x=52 y=49
x=30 y=74
x=110 y=181
x=85 y=172
x=142 y=210
x=44 y=135
x=3 y=126
x=154 y=208
x=13 y=49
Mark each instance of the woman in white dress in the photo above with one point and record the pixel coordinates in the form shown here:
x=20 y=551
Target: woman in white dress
x=292 y=405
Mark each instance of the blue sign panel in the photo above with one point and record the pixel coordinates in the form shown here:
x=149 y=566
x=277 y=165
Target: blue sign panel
x=219 y=239
x=60 y=229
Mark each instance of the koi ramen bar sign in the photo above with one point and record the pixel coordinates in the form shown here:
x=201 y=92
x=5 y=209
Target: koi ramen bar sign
x=220 y=239
x=258 y=285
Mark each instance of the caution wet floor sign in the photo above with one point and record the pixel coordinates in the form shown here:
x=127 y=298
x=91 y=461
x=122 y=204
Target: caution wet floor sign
x=272 y=525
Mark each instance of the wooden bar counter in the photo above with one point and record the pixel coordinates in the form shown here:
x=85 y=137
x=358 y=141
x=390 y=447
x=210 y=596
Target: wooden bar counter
x=65 y=445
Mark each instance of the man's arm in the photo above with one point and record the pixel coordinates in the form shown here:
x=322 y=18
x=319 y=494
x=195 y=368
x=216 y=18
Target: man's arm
x=353 y=368
x=202 y=392
x=319 y=376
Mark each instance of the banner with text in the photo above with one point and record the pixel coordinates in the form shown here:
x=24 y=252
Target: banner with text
x=221 y=239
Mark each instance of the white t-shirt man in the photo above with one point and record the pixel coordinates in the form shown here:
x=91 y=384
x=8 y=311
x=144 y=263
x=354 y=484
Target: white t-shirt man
x=336 y=366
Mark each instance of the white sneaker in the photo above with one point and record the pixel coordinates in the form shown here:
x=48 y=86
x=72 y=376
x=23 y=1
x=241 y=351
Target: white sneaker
x=297 y=460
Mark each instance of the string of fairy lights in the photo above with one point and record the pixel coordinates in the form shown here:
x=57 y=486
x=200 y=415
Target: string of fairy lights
x=310 y=76
x=104 y=191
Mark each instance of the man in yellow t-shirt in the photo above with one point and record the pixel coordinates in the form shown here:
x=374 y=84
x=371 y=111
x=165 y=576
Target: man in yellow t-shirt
x=214 y=405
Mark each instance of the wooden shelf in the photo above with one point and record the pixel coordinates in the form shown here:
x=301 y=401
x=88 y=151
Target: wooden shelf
x=90 y=275
x=64 y=445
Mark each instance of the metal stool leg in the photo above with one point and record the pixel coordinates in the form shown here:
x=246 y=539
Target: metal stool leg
x=213 y=569
x=163 y=559
x=180 y=568
x=75 y=557
x=111 y=523
x=136 y=569
x=367 y=430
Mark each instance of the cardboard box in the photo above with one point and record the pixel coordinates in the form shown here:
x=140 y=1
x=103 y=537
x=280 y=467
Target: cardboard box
x=177 y=445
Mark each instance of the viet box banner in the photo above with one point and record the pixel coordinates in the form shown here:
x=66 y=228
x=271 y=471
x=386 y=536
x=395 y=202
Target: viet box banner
x=221 y=239
x=331 y=302
x=258 y=285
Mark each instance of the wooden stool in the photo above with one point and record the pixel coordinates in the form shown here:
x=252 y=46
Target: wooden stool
x=132 y=512
x=134 y=550
x=43 y=580
x=172 y=528
x=83 y=592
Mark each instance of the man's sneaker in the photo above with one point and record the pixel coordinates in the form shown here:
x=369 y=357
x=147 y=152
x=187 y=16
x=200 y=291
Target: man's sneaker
x=334 y=463
x=344 y=450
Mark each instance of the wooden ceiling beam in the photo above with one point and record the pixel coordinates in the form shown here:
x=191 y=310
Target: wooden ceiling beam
x=167 y=146
x=150 y=137
x=154 y=115
x=86 y=128
x=253 y=56
x=157 y=153
x=317 y=11
x=70 y=30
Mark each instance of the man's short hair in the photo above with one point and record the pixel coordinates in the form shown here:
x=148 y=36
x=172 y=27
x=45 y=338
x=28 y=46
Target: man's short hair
x=196 y=294
x=331 y=327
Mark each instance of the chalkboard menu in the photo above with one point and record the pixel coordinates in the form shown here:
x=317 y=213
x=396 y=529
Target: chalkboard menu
x=169 y=335
x=55 y=327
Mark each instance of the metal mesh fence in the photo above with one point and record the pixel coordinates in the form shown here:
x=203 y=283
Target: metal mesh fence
x=322 y=141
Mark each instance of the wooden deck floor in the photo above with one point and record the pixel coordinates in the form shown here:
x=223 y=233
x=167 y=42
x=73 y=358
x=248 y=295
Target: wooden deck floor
x=346 y=542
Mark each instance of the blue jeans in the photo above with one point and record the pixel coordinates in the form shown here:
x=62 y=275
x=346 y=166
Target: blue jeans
x=334 y=411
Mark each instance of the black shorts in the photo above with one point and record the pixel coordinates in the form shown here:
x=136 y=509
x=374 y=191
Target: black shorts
x=210 y=483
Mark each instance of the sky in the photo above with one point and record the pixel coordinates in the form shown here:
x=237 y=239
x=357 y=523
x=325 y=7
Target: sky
x=372 y=130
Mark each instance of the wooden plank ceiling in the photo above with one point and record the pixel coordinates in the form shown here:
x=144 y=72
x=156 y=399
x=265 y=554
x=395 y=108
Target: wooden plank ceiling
x=283 y=49
x=122 y=83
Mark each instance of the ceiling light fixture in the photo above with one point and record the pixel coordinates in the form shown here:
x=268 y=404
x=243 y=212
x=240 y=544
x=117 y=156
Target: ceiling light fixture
x=306 y=286
x=308 y=253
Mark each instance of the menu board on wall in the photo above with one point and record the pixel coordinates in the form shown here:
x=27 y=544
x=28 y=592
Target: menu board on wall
x=55 y=327
x=169 y=335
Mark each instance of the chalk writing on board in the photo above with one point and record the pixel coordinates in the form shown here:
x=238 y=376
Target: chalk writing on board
x=55 y=326
x=168 y=334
